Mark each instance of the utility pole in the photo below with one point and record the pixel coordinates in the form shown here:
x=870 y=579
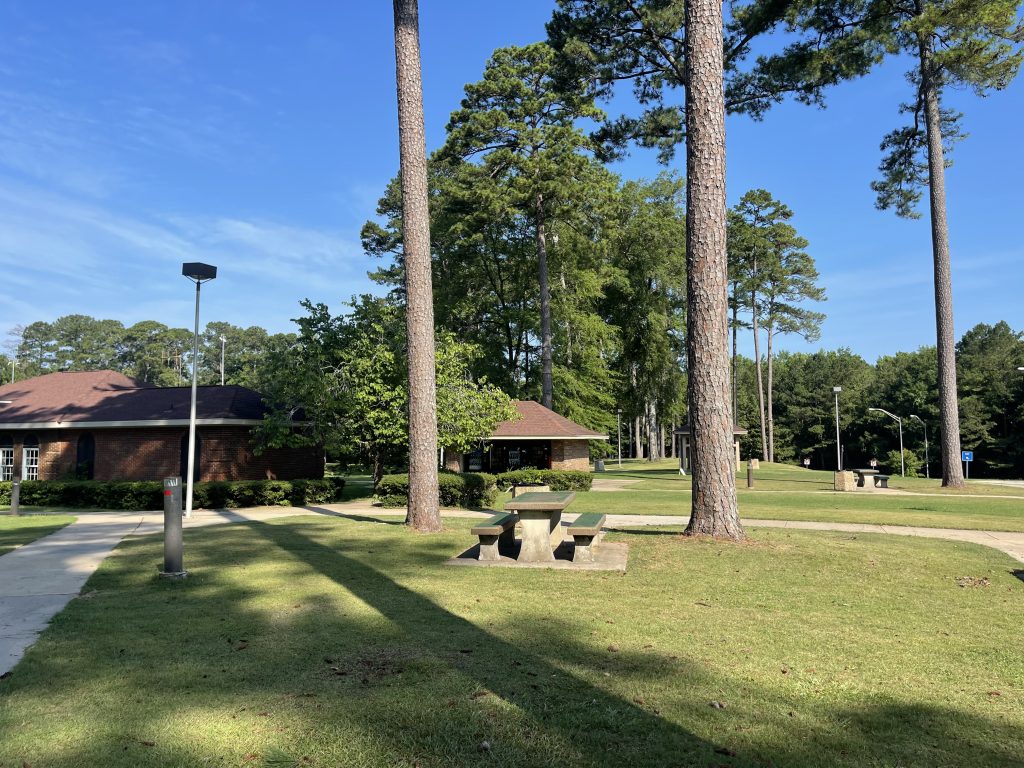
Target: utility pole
x=223 y=342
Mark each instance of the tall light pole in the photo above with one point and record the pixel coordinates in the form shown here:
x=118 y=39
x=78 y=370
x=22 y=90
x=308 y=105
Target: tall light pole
x=839 y=450
x=903 y=466
x=198 y=273
x=14 y=363
x=223 y=342
x=927 y=473
x=618 y=424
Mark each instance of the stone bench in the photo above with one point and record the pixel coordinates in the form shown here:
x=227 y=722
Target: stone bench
x=495 y=532
x=881 y=481
x=585 y=530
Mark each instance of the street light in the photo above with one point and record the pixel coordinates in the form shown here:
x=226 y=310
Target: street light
x=903 y=467
x=839 y=450
x=198 y=273
x=927 y=473
x=223 y=342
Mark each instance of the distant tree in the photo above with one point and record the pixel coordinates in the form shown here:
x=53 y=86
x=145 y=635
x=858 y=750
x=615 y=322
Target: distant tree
x=423 y=514
x=348 y=375
x=520 y=123
x=967 y=43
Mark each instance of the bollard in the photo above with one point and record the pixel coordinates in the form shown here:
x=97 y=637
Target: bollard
x=15 y=495
x=173 y=544
x=750 y=473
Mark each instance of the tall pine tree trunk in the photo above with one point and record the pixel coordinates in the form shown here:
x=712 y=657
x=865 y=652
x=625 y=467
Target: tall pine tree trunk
x=423 y=514
x=638 y=431
x=714 y=510
x=771 y=408
x=949 y=413
x=547 y=387
x=653 y=433
x=757 y=370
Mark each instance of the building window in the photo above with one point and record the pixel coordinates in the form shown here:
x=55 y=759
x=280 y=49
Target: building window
x=85 y=464
x=6 y=459
x=30 y=459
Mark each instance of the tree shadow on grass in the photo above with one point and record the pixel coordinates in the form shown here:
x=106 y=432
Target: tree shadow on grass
x=363 y=670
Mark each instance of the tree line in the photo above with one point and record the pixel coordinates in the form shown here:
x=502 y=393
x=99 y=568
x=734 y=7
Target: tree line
x=147 y=350
x=349 y=370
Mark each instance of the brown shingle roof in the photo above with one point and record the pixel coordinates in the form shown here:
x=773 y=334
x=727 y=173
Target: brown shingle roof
x=109 y=396
x=537 y=422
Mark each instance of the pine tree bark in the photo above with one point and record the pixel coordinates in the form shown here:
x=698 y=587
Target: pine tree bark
x=638 y=431
x=714 y=510
x=949 y=412
x=547 y=385
x=423 y=514
x=758 y=371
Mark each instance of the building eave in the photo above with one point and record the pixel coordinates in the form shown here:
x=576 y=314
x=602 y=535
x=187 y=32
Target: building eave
x=141 y=423
x=494 y=438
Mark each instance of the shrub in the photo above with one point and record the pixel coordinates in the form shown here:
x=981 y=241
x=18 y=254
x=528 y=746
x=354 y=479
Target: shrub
x=470 y=490
x=149 y=494
x=556 y=479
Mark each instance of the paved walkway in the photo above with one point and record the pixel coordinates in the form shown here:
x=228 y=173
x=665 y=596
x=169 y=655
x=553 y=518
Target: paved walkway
x=39 y=579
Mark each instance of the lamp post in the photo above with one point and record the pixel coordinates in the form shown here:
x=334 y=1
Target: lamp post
x=198 y=273
x=618 y=425
x=903 y=467
x=927 y=473
x=839 y=450
x=223 y=343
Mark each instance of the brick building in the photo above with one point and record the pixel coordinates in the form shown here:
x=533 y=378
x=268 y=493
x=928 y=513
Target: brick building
x=103 y=425
x=539 y=439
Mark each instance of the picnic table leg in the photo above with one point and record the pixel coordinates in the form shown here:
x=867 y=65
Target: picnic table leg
x=537 y=537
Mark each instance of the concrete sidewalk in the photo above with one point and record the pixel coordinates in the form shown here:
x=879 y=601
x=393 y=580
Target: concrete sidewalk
x=39 y=579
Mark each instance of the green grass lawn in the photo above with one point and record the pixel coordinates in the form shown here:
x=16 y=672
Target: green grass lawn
x=789 y=493
x=329 y=642
x=18 y=531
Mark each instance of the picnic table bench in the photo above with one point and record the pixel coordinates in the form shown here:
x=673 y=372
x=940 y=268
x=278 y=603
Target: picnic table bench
x=585 y=529
x=496 y=533
x=881 y=481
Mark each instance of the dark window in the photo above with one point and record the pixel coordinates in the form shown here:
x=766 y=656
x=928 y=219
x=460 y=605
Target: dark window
x=85 y=465
x=6 y=458
x=198 y=458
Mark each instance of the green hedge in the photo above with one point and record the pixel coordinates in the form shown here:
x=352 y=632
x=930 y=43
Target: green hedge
x=149 y=494
x=471 y=490
x=556 y=479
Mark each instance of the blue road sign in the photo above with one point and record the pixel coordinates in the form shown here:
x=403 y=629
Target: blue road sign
x=966 y=455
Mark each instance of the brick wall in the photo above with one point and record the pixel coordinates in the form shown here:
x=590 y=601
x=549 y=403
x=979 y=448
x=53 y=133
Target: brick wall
x=155 y=453
x=570 y=454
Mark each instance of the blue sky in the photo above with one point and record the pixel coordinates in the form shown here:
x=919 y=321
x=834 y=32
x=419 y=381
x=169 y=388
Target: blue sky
x=258 y=136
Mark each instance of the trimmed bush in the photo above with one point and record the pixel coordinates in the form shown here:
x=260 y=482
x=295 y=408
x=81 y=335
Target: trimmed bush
x=149 y=494
x=556 y=479
x=470 y=490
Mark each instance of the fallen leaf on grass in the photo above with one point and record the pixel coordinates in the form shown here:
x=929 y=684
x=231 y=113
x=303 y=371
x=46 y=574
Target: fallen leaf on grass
x=972 y=581
x=148 y=743
x=717 y=704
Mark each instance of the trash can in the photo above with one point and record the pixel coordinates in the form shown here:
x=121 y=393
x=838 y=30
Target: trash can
x=599 y=465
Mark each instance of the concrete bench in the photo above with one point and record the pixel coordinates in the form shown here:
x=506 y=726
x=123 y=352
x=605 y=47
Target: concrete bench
x=495 y=532
x=584 y=530
x=881 y=481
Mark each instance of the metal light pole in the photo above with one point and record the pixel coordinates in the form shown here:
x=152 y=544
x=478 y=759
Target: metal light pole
x=223 y=342
x=927 y=472
x=618 y=424
x=14 y=363
x=198 y=273
x=839 y=450
x=903 y=466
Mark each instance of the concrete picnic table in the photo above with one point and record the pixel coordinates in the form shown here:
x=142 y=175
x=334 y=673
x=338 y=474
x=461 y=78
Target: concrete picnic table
x=541 y=516
x=867 y=478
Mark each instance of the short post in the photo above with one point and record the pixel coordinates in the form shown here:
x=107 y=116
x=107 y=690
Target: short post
x=173 y=544
x=15 y=495
x=750 y=473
